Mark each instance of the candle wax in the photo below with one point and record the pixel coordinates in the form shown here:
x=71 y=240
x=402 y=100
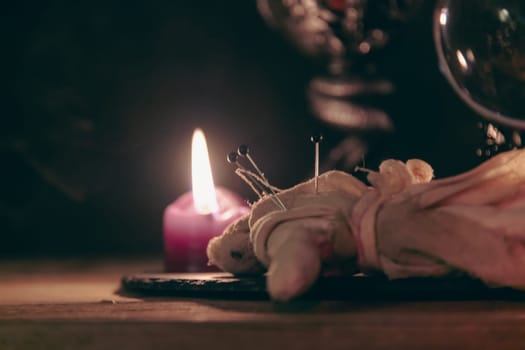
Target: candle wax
x=187 y=232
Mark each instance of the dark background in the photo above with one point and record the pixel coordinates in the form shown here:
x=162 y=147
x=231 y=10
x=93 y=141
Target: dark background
x=101 y=99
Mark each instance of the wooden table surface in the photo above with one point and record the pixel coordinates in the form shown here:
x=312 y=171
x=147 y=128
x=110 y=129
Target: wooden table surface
x=74 y=304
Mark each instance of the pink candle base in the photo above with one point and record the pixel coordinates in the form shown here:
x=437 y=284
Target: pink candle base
x=187 y=233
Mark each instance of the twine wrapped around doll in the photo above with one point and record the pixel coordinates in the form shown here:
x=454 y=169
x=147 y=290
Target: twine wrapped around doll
x=404 y=225
x=393 y=177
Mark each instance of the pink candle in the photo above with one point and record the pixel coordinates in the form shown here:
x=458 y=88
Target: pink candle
x=197 y=216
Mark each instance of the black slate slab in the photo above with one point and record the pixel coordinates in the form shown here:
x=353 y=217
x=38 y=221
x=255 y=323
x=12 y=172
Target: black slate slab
x=226 y=286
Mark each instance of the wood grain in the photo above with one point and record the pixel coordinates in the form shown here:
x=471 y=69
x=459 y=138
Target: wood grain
x=98 y=318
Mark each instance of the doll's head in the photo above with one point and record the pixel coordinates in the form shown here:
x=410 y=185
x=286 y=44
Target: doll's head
x=232 y=251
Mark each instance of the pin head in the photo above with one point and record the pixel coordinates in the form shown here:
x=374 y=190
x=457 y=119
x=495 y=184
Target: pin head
x=316 y=138
x=232 y=157
x=243 y=150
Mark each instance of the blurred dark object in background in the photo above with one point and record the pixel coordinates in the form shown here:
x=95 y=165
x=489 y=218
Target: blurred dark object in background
x=102 y=99
x=481 y=50
x=348 y=39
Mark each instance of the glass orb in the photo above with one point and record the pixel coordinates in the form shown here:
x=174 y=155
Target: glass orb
x=481 y=51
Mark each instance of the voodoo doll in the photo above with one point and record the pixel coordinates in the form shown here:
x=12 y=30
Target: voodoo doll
x=406 y=224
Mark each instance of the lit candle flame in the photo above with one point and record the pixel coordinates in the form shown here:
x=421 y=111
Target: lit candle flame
x=204 y=196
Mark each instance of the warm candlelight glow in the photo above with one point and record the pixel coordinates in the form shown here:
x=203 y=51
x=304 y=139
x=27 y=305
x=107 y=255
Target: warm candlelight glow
x=204 y=196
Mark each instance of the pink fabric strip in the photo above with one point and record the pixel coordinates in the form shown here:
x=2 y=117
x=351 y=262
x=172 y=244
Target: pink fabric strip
x=363 y=229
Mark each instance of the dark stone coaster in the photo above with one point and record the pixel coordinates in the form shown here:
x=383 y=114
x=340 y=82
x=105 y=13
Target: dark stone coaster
x=204 y=284
x=226 y=286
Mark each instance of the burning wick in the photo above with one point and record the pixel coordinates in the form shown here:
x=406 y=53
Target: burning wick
x=316 y=139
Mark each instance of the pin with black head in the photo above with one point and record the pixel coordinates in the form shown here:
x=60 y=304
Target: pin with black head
x=244 y=151
x=316 y=139
x=233 y=158
x=250 y=178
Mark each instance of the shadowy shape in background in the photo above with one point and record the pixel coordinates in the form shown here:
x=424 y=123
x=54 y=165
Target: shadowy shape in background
x=102 y=98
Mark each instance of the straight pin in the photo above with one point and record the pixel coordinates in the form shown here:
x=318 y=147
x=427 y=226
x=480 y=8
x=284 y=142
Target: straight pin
x=244 y=151
x=316 y=139
x=233 y=158
x=250 y=178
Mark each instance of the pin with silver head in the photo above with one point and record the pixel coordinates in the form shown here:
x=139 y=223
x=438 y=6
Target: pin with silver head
x=244 y=151
x=316 y=139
